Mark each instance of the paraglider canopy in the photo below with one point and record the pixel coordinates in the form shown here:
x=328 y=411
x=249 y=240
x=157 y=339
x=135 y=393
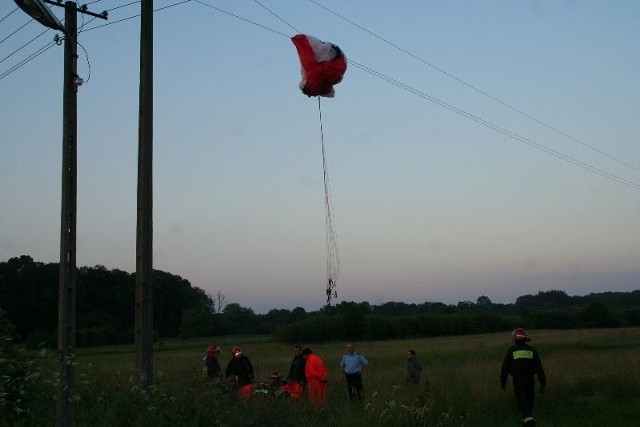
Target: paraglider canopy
x=323 y=65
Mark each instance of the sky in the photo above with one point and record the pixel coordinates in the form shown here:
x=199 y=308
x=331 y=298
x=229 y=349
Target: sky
x=503 y=161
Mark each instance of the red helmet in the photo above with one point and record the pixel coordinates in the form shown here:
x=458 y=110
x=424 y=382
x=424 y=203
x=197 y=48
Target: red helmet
x=236 y=351
x=212 y=350
x=520 y=334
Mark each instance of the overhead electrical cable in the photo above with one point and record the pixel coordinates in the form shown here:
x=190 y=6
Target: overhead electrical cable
x=34 y=55
x=240 y=18
x=9 y=14
x=24 y=45
x=497 y=128
x=277 y=16
x=388 y=79
x=28 y=59
x=19 y=28
x=81 y=29
x=470 y=86
x=123 y=5
x=136 y=15
x=461 y=112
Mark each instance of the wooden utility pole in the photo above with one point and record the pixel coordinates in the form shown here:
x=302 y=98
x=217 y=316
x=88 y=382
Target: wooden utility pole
x=144 y=230
x=67 y=285
x=39 y=11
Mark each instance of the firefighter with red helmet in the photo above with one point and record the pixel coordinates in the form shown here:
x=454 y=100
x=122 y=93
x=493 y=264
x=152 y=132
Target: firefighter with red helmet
x=522 y=362
x=211 y=367
x=239 y=373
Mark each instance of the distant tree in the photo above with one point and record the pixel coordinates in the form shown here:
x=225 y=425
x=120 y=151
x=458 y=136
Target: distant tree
x=484 y=302
x=379 y=327
x=552 y=319
x=434 y=307
x=275 y=318
x=320 y=327
x=97 y=318
x=241 y=320
x=466 y=305
x=219 y=302
x=597 y=315
x=484 y=321
x=614 y=300
x=545 y=300
x=197 y=322
x=393 y=308
x=173 y=294
x=352 y=317
x=105 y=298
x=29 y=296
x=632 y=316
x=297 y=314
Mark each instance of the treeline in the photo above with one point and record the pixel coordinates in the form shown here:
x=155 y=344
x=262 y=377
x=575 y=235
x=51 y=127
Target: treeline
x=105 y=306
x=105 y=311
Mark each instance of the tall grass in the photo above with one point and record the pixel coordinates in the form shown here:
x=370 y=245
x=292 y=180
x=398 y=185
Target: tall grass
x=593 y=380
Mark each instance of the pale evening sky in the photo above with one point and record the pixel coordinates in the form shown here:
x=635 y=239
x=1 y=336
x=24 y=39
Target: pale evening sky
x=428 y=204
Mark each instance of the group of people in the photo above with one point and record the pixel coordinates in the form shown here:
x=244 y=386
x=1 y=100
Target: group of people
x=309 y=374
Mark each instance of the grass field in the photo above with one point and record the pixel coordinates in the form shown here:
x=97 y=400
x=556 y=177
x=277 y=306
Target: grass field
x=593 y=380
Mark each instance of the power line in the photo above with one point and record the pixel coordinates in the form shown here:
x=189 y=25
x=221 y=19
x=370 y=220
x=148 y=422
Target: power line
x=21 y=27
x=38 y=53
x=23 y=46
x=459 y=111
x=499 y=129
x=123 y=5
x=241 y=18
x=9 y=14
x=136 y=15
x=81 y=29
x=274 y=14
x=28 y=59
x=388 y=79
x=469 y=85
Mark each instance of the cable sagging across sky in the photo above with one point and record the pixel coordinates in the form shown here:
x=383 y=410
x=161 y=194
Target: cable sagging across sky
x=478 y=90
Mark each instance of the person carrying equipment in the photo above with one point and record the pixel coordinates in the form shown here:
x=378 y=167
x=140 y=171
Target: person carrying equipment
x=522 y=362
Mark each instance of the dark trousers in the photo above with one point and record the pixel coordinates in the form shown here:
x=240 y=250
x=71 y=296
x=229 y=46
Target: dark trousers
x=524 y=399
x=354 y=385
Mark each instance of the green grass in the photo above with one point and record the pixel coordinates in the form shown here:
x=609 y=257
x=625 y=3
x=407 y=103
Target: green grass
x=593 y=380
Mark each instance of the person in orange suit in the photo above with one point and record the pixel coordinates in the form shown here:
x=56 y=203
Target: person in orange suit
x=317 y=375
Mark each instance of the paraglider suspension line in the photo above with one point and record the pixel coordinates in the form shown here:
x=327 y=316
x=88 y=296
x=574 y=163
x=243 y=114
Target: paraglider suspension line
x=333 y=260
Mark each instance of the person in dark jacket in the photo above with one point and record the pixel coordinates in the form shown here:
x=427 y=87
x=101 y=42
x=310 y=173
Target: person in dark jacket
x=414 y=369
x=239 y=369
x=296 y=372
x=522 y=362
x=211 y=368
